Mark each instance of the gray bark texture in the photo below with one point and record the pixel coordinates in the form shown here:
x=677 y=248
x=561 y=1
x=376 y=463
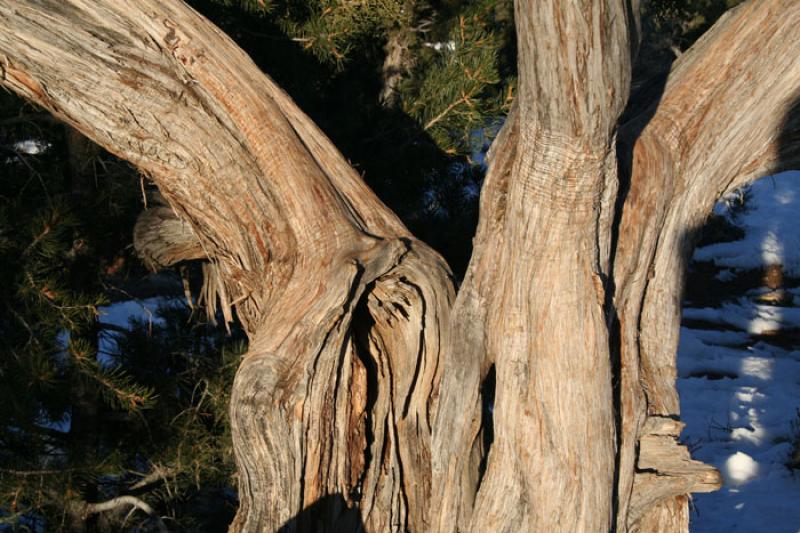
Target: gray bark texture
x=360 y=395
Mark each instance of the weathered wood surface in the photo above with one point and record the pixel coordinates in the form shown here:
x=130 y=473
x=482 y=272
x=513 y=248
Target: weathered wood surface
x=720 y=122
x=295 y=238
x=534 y=291
x=359 y=382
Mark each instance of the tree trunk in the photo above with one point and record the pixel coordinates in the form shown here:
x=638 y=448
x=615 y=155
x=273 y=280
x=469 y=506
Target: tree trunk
x=359 y=399
x=294 y=240
x=535 y=287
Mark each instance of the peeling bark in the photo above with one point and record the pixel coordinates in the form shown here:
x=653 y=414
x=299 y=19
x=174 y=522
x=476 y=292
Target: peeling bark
x=360 y=395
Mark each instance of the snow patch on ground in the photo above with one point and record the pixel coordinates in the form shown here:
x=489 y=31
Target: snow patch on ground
x=745 y=315
x=739 y=394
x=739 y=469
x=31 y=147
x=121 y=314
x=770 y=224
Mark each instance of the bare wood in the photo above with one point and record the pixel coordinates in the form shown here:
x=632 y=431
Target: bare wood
x=125 y=501
x=161 y=239
x=720 y=122
x=359 y=382
x=547 y=237
x=292 y=234
x=666 y=470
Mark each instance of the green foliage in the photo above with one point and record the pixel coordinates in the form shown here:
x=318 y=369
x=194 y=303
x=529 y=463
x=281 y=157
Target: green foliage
x=81 y=426
x=457 y=86
x=332 y=30
x=679 y=23
x=118 y=388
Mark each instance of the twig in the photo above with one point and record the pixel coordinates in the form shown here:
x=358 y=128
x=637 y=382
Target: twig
x=158 y=474
x=463 y=100
x=119 y=501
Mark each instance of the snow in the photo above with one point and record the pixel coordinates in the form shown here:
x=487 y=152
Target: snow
x=745 y=315
x=121 y=314
x=31 y=147
x=740 y=394
x=770 y=224
x=739 y=469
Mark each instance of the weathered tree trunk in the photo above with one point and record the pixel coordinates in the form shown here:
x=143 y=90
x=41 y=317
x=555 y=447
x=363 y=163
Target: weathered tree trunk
x=294 y=240
x=722 y=120
x=535 y=291
x=360 y=395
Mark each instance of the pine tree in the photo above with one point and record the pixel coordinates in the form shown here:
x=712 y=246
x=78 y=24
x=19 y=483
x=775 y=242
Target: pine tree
x=146 y=419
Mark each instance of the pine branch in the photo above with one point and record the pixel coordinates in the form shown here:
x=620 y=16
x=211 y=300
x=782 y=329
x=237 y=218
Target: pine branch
x=465 y=99
x=117 y=386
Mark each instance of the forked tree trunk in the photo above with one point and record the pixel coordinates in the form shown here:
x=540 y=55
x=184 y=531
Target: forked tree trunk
x=360 y=395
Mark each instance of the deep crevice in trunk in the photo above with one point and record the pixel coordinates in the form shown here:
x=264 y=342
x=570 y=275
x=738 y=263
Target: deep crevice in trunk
x=362 y=324
x=486 y=435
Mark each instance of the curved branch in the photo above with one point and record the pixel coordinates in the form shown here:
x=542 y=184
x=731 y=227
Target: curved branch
x=298 y=243
x=124 y=501
x=728 y=114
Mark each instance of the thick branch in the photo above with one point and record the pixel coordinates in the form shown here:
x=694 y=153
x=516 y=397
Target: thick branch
x=727 y=115
x=295 y=239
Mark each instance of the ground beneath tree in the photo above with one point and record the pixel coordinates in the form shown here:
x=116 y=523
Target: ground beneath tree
x=739 y=360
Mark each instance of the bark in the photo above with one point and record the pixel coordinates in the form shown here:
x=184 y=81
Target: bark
x=297 y=243
x=360 y=395
x=724 y=118
x=396 y=65
x=535 y=287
